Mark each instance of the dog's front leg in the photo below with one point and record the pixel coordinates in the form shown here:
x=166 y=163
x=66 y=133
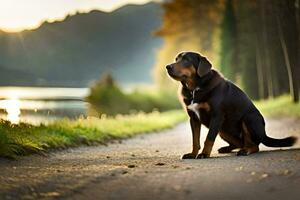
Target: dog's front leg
x=214 y=127
x=196 y=128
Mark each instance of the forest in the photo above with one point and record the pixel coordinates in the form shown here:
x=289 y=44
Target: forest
x=254 y=43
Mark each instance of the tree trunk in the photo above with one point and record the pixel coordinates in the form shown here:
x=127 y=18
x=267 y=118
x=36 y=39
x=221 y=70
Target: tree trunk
x=297 y=10
x=259 y=69
x=266 y=51
x=292 y=81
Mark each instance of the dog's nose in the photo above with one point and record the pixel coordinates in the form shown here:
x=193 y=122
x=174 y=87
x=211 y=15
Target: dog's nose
x=168 y=67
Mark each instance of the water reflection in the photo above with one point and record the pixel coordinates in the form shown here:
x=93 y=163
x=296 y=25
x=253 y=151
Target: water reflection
x=13 y=109
x=41 y=105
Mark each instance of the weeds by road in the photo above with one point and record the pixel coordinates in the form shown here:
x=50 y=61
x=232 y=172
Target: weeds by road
x=24 y=139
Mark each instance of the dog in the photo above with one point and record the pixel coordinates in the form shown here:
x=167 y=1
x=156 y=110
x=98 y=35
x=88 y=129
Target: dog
x=196 y=102
x=221 y=106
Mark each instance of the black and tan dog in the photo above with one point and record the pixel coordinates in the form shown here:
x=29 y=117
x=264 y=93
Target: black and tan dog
x=221 y=106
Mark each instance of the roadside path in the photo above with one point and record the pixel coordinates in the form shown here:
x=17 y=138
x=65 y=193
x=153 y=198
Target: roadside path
x=149 y=167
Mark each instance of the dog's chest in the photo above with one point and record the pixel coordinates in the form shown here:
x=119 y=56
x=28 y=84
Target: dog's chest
x=199 y=107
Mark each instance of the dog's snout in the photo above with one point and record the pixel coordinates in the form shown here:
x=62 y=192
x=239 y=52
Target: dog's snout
x=168 y=67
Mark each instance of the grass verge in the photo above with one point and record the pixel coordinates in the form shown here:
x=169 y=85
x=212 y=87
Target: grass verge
x=24 y=139
x=279 y=107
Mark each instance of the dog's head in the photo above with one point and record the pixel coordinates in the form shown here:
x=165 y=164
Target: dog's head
x=188 y=65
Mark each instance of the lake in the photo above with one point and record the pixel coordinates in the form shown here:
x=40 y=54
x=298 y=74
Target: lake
x=37 y=105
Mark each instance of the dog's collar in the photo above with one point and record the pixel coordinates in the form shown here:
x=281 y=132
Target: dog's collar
x=212 y=80
x=211 y=83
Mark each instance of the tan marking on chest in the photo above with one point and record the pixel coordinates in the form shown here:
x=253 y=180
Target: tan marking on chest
x=204 y=106
x=195 y=107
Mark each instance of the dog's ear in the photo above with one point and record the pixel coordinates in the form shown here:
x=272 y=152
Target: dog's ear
x=204 y=66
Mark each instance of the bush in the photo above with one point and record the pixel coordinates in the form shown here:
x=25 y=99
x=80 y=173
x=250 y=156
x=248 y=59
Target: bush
x=106 y=97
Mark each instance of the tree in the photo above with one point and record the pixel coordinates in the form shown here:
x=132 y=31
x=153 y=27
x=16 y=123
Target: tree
x=289 y=47
x=228 y=49
x=191 y=25
x=258 y=47
x=246 y=54
x=266 y=48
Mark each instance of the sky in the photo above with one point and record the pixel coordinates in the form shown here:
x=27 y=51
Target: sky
x=17 y=15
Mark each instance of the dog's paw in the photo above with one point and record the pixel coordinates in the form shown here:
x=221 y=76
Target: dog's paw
x=202 y=155
x=189 y=156
x=242 y=152
x=227 y=149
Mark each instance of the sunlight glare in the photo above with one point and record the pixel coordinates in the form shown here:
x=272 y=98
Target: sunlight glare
x=13 y=109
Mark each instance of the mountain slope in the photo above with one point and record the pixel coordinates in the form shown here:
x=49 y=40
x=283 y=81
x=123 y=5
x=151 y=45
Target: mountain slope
x=77 y=50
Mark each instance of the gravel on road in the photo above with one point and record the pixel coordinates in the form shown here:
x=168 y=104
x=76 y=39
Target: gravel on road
x=149 y=166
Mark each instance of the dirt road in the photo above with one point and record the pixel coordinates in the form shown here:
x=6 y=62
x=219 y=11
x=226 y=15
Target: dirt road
x=149 y=167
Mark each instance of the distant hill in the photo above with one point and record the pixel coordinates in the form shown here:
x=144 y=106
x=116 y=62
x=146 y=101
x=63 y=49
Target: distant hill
x=77 y=50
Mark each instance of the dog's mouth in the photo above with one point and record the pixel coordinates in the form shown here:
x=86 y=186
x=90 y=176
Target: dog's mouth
x=176 y=76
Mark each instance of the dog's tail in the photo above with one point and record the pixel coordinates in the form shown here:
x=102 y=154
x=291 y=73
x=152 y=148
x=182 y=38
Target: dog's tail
x=284 y=142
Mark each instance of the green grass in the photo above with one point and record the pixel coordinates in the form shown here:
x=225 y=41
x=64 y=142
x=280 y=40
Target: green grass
x=279 y=107
x=24 y=139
